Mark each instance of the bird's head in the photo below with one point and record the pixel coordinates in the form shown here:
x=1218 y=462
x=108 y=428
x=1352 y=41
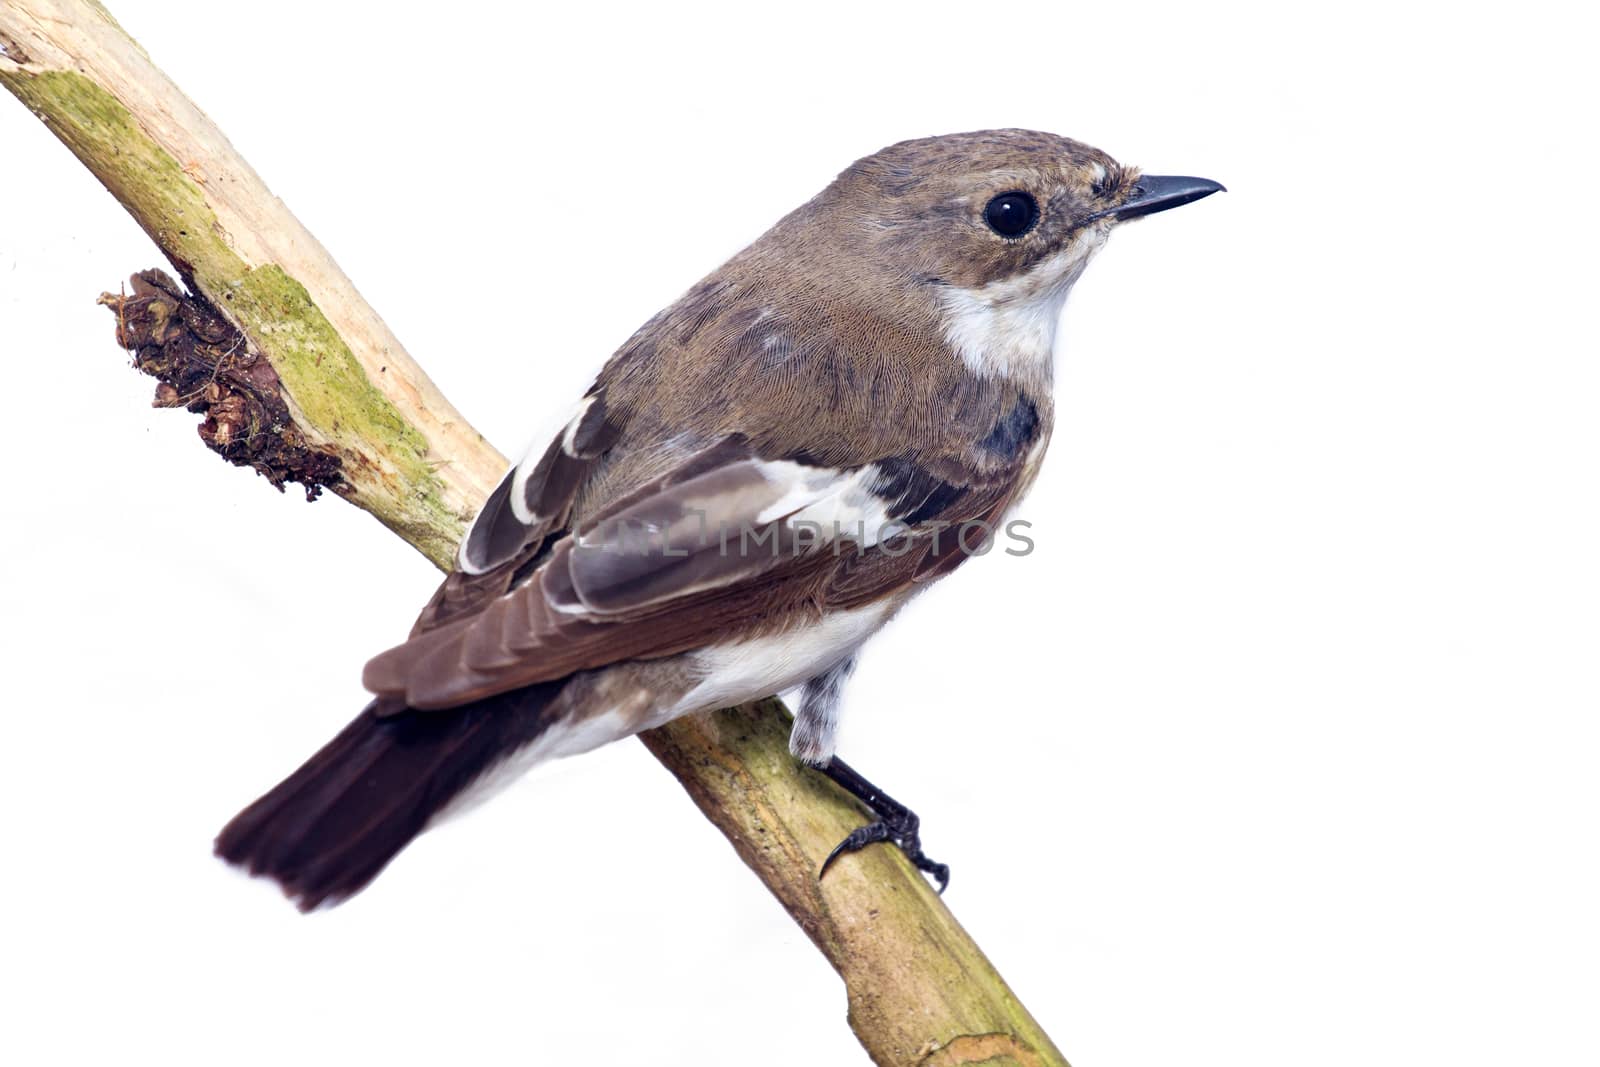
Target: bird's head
x=973 y=209
x=995 y=225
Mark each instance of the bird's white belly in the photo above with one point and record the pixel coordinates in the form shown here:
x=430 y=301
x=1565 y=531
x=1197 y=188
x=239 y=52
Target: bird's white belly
x=748 y=670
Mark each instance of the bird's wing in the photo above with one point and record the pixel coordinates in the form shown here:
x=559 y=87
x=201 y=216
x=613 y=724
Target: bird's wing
x=526 y=510
x=728 y=539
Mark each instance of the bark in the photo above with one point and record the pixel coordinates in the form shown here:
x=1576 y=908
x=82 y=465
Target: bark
x=300 y=379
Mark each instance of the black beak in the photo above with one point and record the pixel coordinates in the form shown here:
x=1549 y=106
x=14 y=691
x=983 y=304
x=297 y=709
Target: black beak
x=1156 y=192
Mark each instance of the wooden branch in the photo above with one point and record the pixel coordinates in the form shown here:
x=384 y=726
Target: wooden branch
x=320 y=372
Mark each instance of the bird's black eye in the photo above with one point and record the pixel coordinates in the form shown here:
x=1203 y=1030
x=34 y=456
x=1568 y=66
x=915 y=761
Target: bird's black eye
x=1011 y=214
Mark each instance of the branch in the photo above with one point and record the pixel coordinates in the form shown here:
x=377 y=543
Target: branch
x=300 y=379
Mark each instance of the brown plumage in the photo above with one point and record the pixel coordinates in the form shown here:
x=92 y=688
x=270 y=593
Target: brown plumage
x=878 y=361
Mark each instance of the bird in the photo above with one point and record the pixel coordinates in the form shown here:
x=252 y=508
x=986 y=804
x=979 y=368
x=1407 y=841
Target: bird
x=758 y=479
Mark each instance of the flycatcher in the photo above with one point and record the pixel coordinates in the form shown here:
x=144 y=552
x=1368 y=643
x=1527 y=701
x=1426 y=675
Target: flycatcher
x=755 y=483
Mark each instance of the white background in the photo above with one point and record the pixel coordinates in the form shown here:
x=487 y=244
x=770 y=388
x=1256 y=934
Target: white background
x=1281 y=749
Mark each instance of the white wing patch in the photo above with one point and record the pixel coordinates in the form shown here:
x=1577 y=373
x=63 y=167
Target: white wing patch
x=568 y=444
x=830 y=503
x=530 y=460
x=718 y=528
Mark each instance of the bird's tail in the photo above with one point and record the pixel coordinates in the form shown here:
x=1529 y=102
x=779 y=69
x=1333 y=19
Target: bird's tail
x=327 y=830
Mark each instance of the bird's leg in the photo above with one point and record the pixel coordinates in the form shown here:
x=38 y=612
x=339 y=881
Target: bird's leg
x=896 y=823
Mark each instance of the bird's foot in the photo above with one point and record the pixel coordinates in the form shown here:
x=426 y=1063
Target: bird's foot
x=896 y=824
x=902 y=834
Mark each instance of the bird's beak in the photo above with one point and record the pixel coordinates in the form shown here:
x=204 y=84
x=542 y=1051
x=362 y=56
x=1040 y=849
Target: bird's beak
x=1159 y=192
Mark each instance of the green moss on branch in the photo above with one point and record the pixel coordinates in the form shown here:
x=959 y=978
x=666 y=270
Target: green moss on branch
x=387 y=462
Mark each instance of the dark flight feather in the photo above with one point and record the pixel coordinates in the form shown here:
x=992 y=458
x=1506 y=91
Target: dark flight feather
x=334 y=824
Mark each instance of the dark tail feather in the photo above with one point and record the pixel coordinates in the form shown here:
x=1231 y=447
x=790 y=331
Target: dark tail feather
x=327 y=830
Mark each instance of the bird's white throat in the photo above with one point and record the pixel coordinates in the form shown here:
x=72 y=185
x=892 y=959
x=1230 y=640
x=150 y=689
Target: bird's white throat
x=1007 y=328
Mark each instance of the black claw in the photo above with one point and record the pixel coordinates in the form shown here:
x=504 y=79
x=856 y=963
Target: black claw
x=858 y=839
x=896 y=824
